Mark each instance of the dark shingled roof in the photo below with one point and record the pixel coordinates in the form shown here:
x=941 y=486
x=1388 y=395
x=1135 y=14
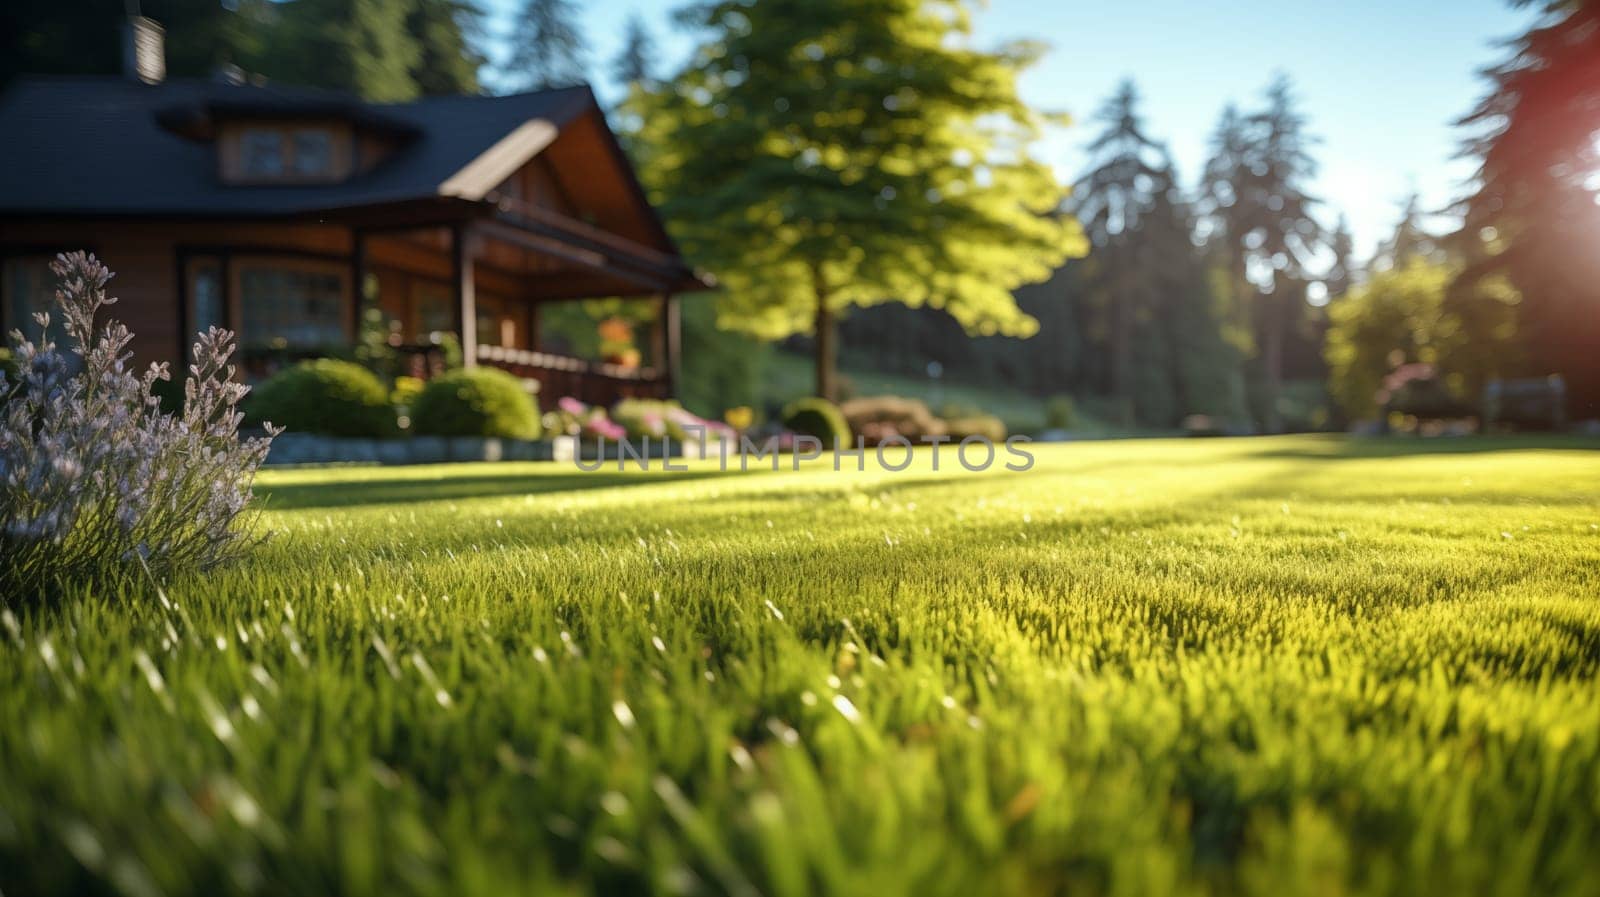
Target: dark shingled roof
x=110 y=146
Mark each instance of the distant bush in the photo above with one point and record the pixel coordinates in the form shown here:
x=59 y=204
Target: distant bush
x=572 y=417
x=476 y=402
x=1417 y=390
x=659 y=419
x=986 y=425
x=885 y=417
x=819 y=418
x=333 y=398
x=95 y=479
x=1060 y=413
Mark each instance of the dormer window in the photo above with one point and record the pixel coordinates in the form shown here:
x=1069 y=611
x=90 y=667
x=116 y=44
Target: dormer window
x=312 y=153
x=261 y=152
x=288 y=153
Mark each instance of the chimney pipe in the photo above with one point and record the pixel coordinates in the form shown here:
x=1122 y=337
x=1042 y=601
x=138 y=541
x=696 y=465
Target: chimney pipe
x=143 y=51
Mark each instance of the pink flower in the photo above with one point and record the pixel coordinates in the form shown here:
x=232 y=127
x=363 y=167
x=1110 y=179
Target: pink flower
x=605 y=429
x=571 y=405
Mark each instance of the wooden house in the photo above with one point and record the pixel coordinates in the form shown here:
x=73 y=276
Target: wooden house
x=286 y=214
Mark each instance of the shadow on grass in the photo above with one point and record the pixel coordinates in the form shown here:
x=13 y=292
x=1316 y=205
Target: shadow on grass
x=404 y=487
x=453 y=486
x=1335 y=448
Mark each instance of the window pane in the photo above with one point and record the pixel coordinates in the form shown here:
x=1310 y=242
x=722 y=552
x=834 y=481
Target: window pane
x=284 y=307
x=29 y=288
x=313 y=152
x=434 y=308
x=262 y=151
x=205 y=296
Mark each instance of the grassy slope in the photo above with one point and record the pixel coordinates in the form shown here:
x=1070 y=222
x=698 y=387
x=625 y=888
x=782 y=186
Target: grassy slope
x=787 y=376
x=1270 y=666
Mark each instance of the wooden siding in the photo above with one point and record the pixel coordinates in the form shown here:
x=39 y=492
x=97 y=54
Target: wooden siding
x=145 y=257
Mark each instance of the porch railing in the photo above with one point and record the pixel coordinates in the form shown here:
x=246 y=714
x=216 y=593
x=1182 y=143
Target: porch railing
x=592 y=383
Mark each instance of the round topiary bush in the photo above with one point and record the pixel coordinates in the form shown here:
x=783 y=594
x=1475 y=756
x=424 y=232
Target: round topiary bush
x=820 y=418
x=477 y=402
x=325 y=396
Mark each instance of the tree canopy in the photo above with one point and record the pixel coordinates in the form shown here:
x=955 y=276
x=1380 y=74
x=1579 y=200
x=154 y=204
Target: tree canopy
x=378 y=49
x=828 y=154
x=1404 y=316
x=1533 y=214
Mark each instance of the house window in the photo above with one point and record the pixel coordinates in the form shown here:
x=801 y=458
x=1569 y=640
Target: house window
x=286 y=153
x=27 y=289
x=495 y=325
x=291 y=305
x=313 y=153
x=434 y=307
x=261 y=152
x=206 y=309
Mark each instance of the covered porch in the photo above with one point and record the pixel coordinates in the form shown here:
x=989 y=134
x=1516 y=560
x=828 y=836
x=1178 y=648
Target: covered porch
x=487 y=281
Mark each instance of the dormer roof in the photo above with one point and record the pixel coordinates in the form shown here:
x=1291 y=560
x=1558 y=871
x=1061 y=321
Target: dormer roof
x=113 y=147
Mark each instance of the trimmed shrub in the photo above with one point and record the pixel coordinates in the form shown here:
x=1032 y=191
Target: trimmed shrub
x=885 y=417
x=986 y=425
x=666 y=419
x=475 y=402
x=820 y=418
x=328 y=397
x=95 y=479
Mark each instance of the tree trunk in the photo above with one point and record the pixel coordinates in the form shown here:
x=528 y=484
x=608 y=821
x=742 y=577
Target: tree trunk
x=827 y=343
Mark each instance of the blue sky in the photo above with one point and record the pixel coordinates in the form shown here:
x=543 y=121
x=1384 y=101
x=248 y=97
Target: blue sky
x=1379 y=81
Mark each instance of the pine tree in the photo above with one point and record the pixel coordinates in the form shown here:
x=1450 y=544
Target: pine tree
x=361 y=46
x=1111 y=200
x=1202 y=364
x=1289 y=235
x=1341 y=272
x=1409 y=240
x=837 y=153
x=1260 y=216
x=548 y=47
x=448 y=33
x=1533 y=213
x=1228 y=220
x=632 y=64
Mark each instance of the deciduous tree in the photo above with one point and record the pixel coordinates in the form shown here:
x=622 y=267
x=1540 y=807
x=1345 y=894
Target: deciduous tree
x=828 y=154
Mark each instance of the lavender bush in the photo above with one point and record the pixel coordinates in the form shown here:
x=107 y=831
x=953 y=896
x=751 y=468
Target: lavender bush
x=94 y=478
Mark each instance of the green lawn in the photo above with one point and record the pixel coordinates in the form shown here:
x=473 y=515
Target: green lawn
x=1276 y=666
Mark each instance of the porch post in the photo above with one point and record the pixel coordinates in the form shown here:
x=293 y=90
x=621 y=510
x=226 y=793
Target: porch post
x=658 y=337
x=673 y=339
x=466 y=304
